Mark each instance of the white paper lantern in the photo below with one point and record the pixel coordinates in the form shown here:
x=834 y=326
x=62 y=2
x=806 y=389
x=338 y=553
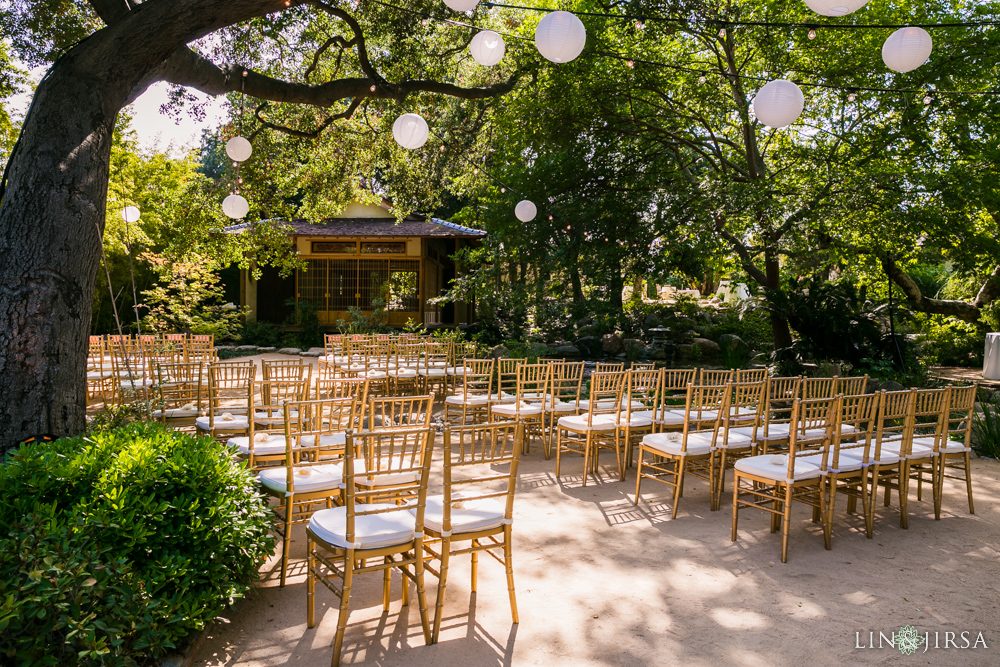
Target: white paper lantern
x=235 y=206
x=835 y=7
x=462 y=5
x=131 y=214
x=238 y=149
x=487 y=48
x=525 y=211
x=907 y=49
x=410 y=131
x=560 y=36
x=778 y=103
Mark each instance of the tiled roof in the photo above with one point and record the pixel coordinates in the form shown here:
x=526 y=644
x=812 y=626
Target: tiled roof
x=376 y=227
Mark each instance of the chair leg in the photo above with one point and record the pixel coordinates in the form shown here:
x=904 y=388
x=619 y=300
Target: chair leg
x=678 y=479
x=586 y=457
x=310 y=584
x=421 y=590
x=286 y=541
x=386 y=588
x=638 y=478
x=345 y=598
x=827 y=494
x=442 y=584
x=475 y=566
x=405 y=570
x=968 y=481
x=558 y=450
x=786 y=523
x=508 y=558
x=904 y=492
x=736 y=508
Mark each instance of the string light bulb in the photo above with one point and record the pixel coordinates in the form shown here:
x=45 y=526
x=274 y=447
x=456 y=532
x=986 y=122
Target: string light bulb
x=701 y=79
x=812 y=33
x=927 y=99
x=373 y=89
x=722 y=33
x=851 y=97
x=502 y=190
x=630 y=64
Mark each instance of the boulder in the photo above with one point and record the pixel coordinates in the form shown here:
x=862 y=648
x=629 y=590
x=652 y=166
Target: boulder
x=566 y=351
x=313 y=352
x=633 y=347
x=709 y=348
x=290 y=350
x=589 y=345
x=537 y=349
x=500 y=351
x=247 y=347
x=612 y=343
x=590 y=330
x=266 y=349
x=585 y=321
x=225 y=347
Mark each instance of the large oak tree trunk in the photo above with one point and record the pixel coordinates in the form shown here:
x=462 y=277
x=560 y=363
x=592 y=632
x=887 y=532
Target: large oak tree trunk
x=779 y=325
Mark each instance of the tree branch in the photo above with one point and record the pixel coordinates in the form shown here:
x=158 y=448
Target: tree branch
x=302 y=133
x=960 y=309
x=110 y=11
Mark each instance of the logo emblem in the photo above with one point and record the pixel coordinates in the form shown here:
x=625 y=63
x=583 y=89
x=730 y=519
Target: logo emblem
x=908 y=640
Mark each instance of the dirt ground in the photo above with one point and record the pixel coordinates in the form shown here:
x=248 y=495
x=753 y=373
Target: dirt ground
x=603 y=582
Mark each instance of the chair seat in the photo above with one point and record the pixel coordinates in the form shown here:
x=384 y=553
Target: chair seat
x=886 y=457
x=739 y=414
x=275 y=417
x=952 y=447
x=475 y=401
x=845 y=464
x=176 y=413
x=431 y=372
x=517 y=409
x=371 y=531
x=403 y=373
x=917 y=451
x=598 y=423
x=455 y=370
x=635 y=420
x=237 y=423
x=503 y=398
x=467 y=517
x=275 y=444
x=135 y=384
x=737 y=438
x=308 y=479
x=562 y=407
x=673 y=444
x=98 y=375
x=776 y=468
x=774 y=432
x=325 y=440
x=374 y=375
x=609 y=405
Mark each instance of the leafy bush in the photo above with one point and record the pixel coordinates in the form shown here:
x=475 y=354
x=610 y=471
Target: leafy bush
x=305 y=317
x=261 y=334
x=986 y=428
x=752 y=324
x=950 y=342
x=117 y=546
x=189 y=298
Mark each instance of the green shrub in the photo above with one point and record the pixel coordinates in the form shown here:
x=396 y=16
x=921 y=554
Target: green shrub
x=986 y=427
x=119 y=545
x=950 y=342
x=261 y=334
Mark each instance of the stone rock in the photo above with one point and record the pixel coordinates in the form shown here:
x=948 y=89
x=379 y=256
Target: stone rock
x=585 y=321
x=589 y=345
x=247 y=347
x=590 y=330
x=500 y=351
x=652 y=321
x=225 y=347
x=312 y=352
x=290 y=350
x=709 y=348
x=266 y=349
x=633 y=346
x=687 y=350
x=612 y=343
x=566 y=351
x=537 y=349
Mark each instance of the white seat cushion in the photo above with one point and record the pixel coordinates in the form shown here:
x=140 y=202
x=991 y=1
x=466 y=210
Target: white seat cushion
x=463 y=400
x=276 y=416
x=952 y=447
x=98 y=375
x=774 y=432
x=237 y=423
x=776 y=467
x=846 y=463
x=403 y=373
x=636 y=420
x=176 y=413
x=503 y=397
x=325 y=440
x=606 y=422
x=561 y=407
x=308 y=479
x=275 y=444
x=455 y=370
x=918 y=450
x=136 y=384
x=886 y=457
x=673 y=444
x=737 y=438
x=517 y=409
x=466 y=517
x=370 y=530
x=374 y=375
x=709 y=415
x=431 y=372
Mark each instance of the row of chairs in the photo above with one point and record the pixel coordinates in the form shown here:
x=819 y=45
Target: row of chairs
x=123 y=368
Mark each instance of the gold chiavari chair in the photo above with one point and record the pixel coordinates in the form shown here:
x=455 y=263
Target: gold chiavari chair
x=673 y=396
x=597 y=428
x=286 y=369
x=920 y=447
x=200 y=349
x=265 y=442
x=175 y=338
x=845 y=470
x=507 y=378
x=472 y=397
x=750 y=375
x=313 y=473
x=377 y=361
x=339 y=387
x=230 y=400
x=563 y=399
x=641 y=396
x=207 y=339
x=609 y=367
x=773 y=483
x=779 y=397
x=100 y=375
x=529 y=401
x=433 y=368
x=398 y=411
x=407 y=362
x=642 y=366
x=477 y=505
x=851 y=386
x=818 y=388
x=714 y=377
x=884 y=460
x=689 y=452
x=369 y=534
x=130 y=368
x=333 y=354
x=956 y=445
x=461 y=351
x=737 y=432
x=179 y=388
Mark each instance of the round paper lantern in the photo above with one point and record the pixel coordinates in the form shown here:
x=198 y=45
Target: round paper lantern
x=835 y=7
x=487 y=48
x=778 y=103
x=907 y=49
x=560 y=36
x=525 y=211
x=462 y=5
x=410 y=131
x=131 y=214
x=238 y=149
x=235 y=206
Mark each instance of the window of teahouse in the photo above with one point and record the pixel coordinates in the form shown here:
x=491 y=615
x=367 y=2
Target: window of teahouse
x=384 y=248
x=334 y=247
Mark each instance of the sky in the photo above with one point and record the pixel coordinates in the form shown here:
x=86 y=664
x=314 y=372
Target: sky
x=155 y=131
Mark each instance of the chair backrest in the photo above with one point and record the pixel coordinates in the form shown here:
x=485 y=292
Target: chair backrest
x=200 y=348
x=746 y=404
x=179 y=385
x=230 y=388
x=605 y=394
x=275 y=393
x=704 y=406
x=609 y=367
x=780 y=397
x=387 y=412
x=928 y=416
x=436 y=355
x=175 y=338
x=714 y=377
x=811 y=429
x=474 y=458
x=642 y=387
x=477 y=378
x=286 y=369
x=851 y=386
x=675 y=383
x=330 y=388
x=507 y=375
x=642 y=366
x=567 y=379
x=817 y=388
x=750 y=375
x=892 y=419
x=533 y=383
x=315 y=434
x=386 y=465
x=854 y=429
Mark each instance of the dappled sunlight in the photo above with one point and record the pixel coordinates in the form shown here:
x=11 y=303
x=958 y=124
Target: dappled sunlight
x=740 y=619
